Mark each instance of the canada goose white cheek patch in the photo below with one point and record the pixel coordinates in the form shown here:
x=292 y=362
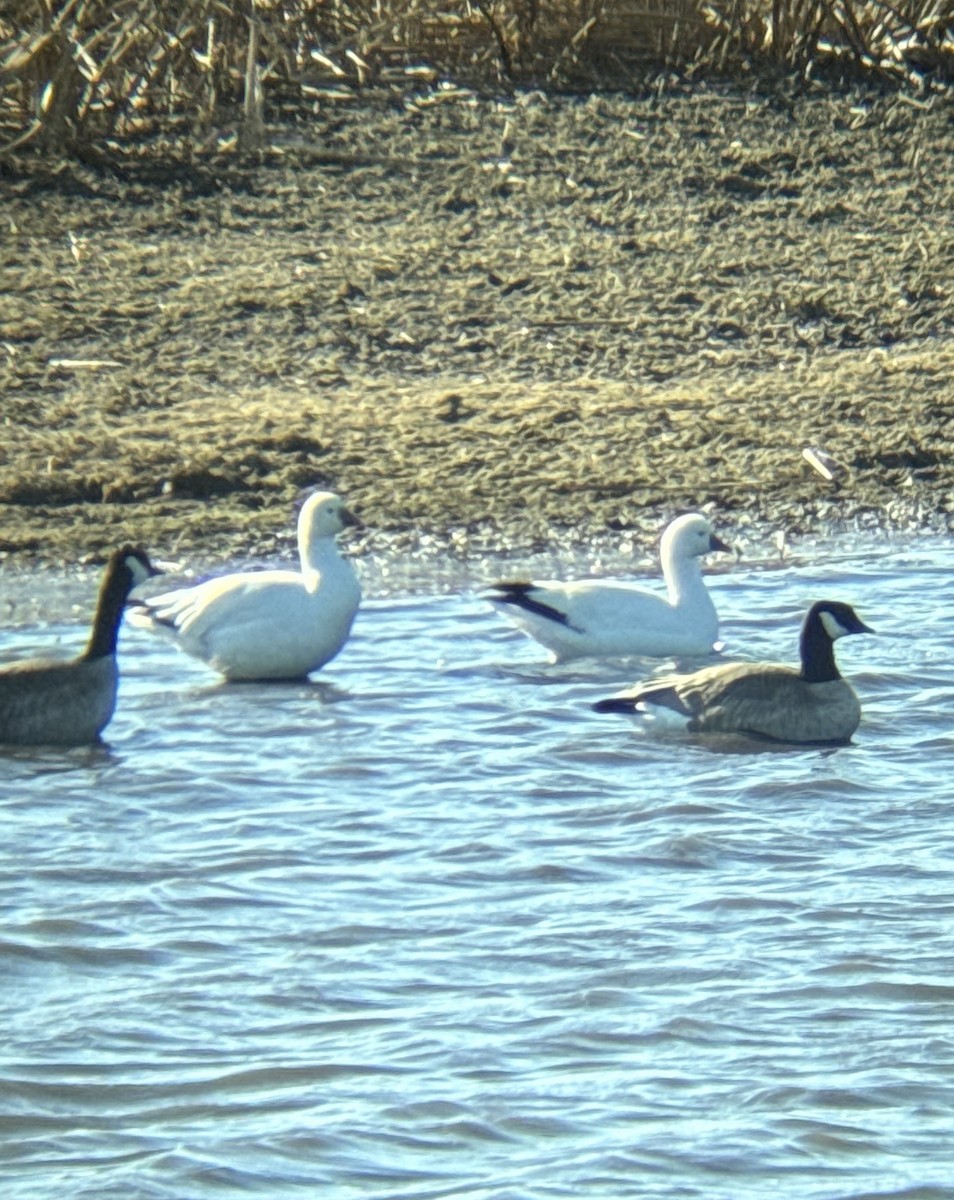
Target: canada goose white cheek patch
x=832 y=626
x=137 y=570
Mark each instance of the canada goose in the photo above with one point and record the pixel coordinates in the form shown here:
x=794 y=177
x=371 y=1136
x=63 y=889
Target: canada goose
x=275 y=624
x=49 y=701
x=811 y=704
x=610 y=617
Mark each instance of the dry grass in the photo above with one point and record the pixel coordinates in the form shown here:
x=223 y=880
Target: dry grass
x=76 y=73
x=589 y=455
x=558 y=340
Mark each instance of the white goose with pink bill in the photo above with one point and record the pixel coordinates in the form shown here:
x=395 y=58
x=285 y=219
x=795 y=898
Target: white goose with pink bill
x=806 y=705
x=609 y=618
x=274 y=624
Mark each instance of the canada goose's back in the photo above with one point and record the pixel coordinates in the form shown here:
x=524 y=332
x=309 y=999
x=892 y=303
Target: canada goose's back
x=766 y=701
x=48 y=701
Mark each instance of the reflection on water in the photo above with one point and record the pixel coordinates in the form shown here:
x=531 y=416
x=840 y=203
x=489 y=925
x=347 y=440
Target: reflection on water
x=429 y=927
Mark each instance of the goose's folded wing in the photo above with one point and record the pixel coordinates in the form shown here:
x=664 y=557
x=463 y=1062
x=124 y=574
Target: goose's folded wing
x=739 y=685
x=238 y=598
x=771 y=702
x=543 y=600
x=588 y=606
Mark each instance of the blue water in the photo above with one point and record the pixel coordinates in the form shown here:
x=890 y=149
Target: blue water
x=429 y=927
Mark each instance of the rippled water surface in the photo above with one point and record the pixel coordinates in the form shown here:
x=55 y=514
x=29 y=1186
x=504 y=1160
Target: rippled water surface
x=429 y=927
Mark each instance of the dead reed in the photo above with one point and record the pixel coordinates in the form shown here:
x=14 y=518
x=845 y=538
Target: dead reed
x=75 y=74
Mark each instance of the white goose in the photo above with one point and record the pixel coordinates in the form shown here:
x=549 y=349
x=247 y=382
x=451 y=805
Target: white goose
x=275 y=624
x=605 y=618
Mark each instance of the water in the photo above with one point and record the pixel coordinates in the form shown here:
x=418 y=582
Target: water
x=431 y=928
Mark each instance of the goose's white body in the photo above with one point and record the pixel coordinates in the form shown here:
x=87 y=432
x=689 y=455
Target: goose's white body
x=276 y=624
x=608 y=618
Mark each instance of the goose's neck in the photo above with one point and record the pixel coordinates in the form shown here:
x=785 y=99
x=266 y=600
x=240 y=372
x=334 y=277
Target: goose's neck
x=317 y=556
x=684 y=580
x=109 y=614
x=817 y=652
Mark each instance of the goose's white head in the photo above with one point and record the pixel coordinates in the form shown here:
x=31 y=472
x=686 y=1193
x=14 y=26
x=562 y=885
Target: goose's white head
x=691 y=536
x=323 y=515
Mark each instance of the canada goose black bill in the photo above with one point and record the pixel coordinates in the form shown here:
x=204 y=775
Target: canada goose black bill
x=810 y=705
x=68 y=703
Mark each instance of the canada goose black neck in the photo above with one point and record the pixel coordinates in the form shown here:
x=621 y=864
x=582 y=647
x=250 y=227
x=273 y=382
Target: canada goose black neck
x=119 y=580
x=817 y=650
x=825 y=621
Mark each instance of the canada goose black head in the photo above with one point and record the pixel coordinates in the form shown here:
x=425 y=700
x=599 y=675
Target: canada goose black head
x=825 y=622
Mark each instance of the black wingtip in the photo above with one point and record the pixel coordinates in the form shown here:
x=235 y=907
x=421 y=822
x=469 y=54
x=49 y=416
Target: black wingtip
x=615 y=704
x=518 y=594
x=146 y=607
x=509 y=589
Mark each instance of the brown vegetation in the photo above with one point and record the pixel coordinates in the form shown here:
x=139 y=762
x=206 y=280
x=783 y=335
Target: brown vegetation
x=496 y=322
x=83 y=75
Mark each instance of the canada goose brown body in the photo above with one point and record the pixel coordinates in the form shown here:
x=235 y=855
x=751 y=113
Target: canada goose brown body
x=810 y=704
x=46 y=701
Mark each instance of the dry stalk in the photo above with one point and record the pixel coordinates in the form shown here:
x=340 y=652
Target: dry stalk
x=252 y=128
x=73 y=72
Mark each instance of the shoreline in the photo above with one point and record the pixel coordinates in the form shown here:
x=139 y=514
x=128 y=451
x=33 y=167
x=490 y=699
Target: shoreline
x=36 y=593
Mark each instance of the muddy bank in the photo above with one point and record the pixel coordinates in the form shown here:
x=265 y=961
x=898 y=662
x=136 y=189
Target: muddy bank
x=491 y=323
